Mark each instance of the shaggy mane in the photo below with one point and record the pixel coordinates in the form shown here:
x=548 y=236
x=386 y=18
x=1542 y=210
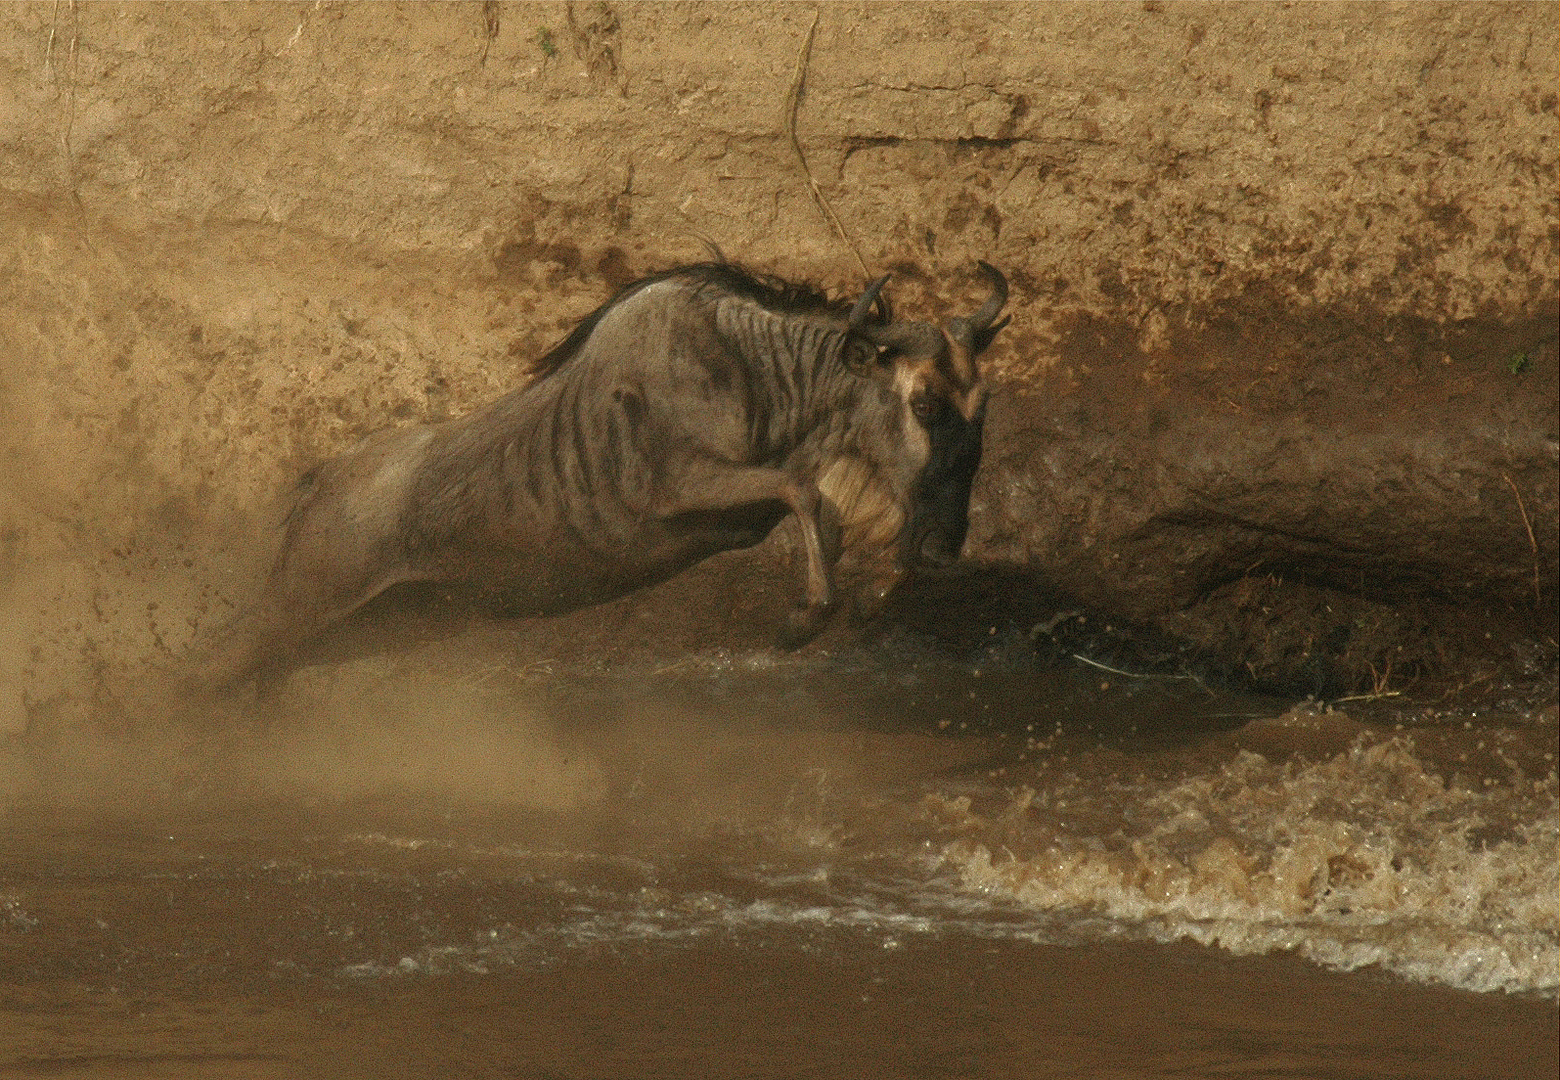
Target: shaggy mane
x=769 y=292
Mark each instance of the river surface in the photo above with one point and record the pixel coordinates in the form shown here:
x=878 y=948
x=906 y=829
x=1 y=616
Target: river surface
x=888 y=863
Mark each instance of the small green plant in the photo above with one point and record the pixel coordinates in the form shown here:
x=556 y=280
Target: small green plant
x=1519 y=362
x=544 y=41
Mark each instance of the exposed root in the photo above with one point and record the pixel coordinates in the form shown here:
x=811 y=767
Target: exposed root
x=70 y=85
x=1131 y=674
x=1532 y=540
x=491 y=16
x=793 y=104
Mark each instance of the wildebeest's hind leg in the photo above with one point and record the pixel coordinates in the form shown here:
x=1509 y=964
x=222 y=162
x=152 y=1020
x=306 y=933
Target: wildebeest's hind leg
x=264 y=643
x=261 y=645
x=342 y=548
x=713 y=486
x=296 y=607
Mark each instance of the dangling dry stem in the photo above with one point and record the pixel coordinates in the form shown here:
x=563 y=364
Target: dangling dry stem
x=793 y=104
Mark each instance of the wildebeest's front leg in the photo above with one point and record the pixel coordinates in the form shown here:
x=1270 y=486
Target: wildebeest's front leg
x=712 y=486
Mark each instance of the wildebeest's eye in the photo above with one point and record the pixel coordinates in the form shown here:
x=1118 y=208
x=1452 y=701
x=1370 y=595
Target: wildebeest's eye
x=925 y=408
x=886 y=353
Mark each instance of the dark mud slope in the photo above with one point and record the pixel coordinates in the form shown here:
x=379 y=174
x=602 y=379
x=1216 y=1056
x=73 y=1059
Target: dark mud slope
x=1326 y=504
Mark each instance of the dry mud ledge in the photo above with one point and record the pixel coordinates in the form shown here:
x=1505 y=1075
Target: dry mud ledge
x=1278 y=403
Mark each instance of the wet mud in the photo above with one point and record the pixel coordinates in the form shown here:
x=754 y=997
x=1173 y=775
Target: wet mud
x=1325 y=502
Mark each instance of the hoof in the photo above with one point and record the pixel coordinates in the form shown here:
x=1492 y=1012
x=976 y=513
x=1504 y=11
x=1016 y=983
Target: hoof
x=872 y=598
x=802 y=625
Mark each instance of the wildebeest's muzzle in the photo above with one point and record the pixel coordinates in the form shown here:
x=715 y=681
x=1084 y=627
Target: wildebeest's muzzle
x=934 y=372
x=939 y=515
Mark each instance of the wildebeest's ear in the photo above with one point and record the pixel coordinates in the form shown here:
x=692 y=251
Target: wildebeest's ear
x=871 y=358
x=976 y=342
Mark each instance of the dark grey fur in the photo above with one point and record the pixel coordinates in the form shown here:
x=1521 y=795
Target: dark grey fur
x=687 y=416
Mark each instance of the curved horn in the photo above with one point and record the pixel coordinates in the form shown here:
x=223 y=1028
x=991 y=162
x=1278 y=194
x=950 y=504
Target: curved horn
x=980 y=322
x=976 y=331
x=885 y=310
x=863 y=308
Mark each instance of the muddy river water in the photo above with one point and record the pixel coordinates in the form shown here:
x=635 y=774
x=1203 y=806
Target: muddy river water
x=887 y=863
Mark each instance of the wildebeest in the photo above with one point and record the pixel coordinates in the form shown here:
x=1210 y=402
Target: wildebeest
x=688 y=415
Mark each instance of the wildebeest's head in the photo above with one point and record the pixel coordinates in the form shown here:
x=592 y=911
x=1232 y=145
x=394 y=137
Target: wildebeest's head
x=917 y=490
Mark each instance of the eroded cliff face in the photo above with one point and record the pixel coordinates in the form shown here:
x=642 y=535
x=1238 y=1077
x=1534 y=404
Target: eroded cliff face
x=1284 y=280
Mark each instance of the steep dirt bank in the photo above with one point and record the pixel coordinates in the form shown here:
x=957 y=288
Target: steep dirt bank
x=1331 y=503
x=1281 y=381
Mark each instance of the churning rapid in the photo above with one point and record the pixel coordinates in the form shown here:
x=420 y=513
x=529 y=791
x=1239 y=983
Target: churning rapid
x=1366 y=854
x=406 y=824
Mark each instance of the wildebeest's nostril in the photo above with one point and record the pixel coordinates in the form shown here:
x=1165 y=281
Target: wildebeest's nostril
x=937 y=549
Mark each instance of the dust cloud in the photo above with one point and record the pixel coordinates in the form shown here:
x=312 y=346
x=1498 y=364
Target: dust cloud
x=458 y=728
x=356 y=738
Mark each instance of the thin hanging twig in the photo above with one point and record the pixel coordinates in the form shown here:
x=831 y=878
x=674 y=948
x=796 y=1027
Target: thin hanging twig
x=1532 y=541
x=793 y=104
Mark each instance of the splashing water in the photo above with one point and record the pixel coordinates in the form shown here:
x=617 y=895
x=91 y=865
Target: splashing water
x=1366 y=857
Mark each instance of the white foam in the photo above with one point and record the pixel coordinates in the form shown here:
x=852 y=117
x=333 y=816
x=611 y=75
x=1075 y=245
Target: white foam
x=1368 y=858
